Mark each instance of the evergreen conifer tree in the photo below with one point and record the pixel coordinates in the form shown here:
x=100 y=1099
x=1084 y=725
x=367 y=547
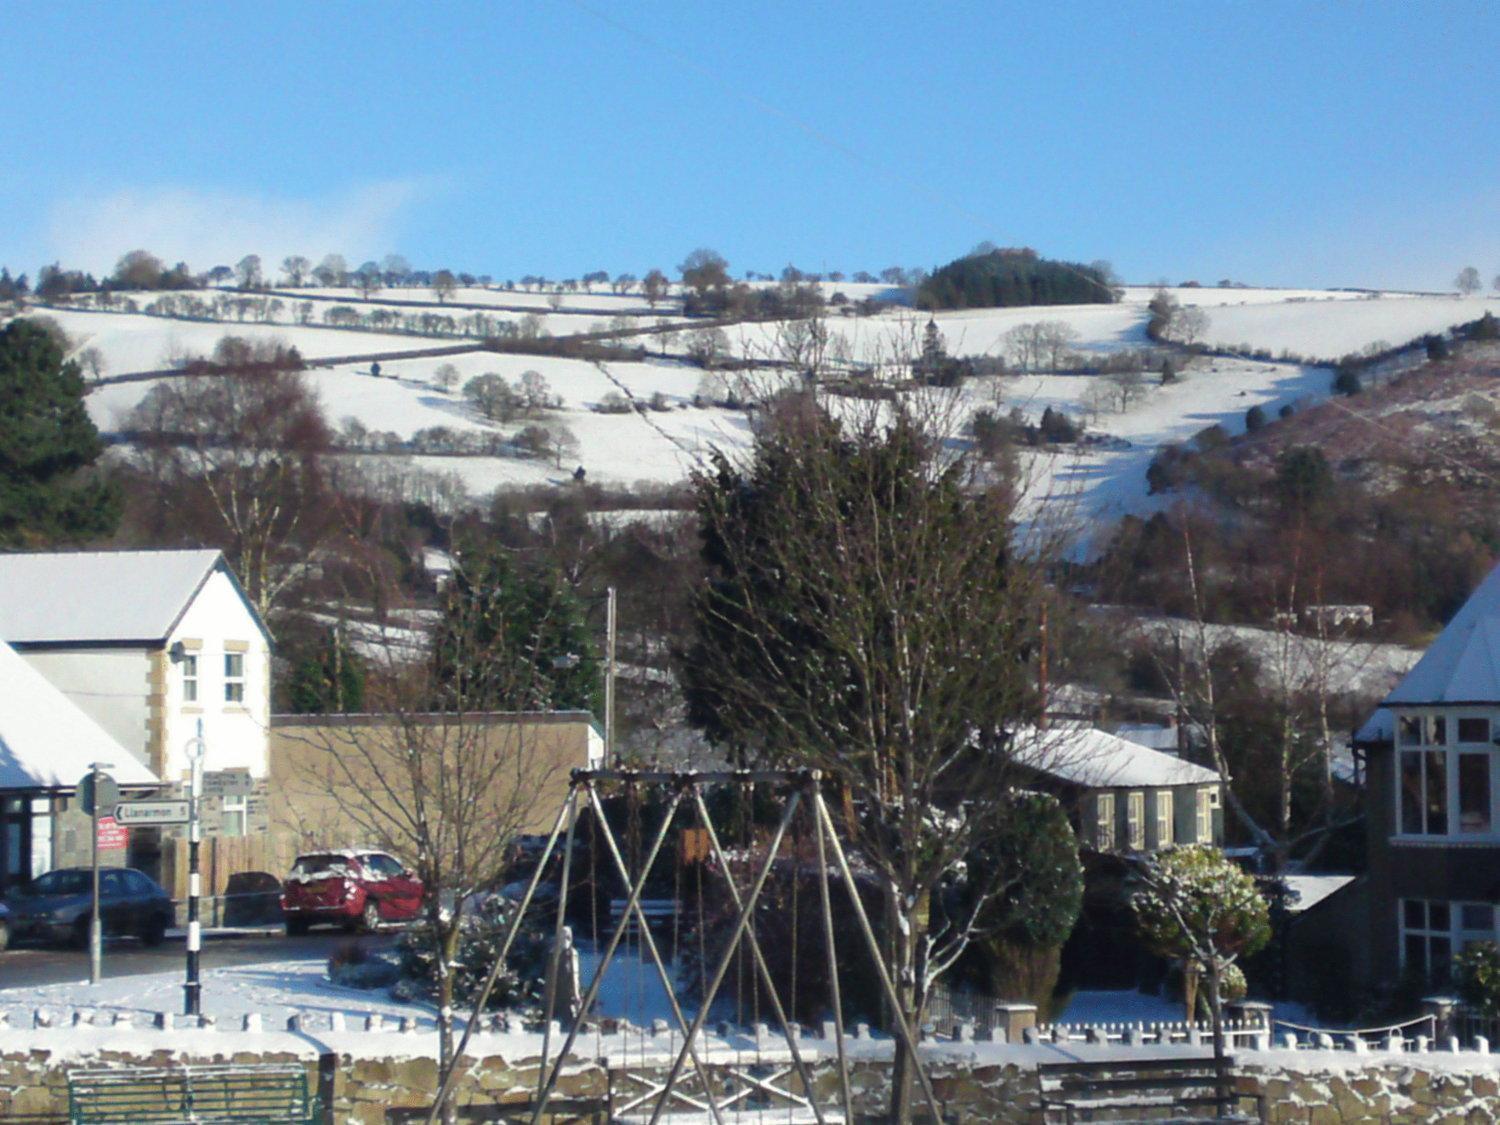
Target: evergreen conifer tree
x=46 y=441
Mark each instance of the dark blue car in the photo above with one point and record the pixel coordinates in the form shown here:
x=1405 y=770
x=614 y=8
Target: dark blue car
x=57 y=906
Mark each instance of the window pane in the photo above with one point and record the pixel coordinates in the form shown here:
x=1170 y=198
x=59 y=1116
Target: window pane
x=1411 y=792
x=1437 y=793
x=1439 y=731
x=1440 y=952
x=234 y=664
x=1416 y=951
x=1414 y=913
x=1474 y=793
x=1473 y=730
x=1477 y=916
x=1411 y=731
x=1437 y=917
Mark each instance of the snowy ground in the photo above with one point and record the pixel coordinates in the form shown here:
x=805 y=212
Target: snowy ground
x=278 y=989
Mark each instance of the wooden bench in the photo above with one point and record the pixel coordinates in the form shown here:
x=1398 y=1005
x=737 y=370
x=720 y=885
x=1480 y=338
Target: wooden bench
x=199 y=1094
x=1178 y=1089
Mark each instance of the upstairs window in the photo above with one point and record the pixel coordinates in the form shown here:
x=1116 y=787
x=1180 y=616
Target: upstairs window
x=190 y=678
x=1424 y=792
x=1474 y=792
x=234 y=677
x=1475 y=731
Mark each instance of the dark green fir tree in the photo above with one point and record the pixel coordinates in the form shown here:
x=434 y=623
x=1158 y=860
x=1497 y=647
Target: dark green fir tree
x=47 y=445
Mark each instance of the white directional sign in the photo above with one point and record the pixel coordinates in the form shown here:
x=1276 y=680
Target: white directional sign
x=152 y=812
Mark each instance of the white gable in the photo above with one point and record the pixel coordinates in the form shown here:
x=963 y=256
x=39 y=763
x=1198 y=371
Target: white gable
x=1463 y=664
x=97 y=597
x=45 y=741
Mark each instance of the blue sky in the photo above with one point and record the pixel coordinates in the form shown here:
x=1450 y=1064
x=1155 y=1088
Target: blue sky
x=1307 y=144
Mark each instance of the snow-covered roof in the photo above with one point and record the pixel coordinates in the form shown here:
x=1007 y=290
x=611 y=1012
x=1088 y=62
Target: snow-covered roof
x=1152 y=735
x=1313 y=889
x=46 y=742
x=98 y=597
x=1096 y=759
x=1463 y=664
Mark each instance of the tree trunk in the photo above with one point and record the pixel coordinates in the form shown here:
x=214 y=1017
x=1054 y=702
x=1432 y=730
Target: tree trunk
x=446 y=942
x=908 y=972
x=1190 y=991
x=1217 y=1015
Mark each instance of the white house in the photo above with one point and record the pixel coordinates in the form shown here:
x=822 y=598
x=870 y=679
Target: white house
x=147 y=644
x=47 y=744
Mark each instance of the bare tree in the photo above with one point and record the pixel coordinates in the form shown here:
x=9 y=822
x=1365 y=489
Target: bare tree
x=444 y=285
x=1190 y=324
x=247 y=270
x=238 y=443
x=446 y=377
x=92 y=361
x=1468 y=282
x=1125 y=388
x=332 y=271
x=368 y=280
x=296 y=268
x=654 y=287
x=439 y=782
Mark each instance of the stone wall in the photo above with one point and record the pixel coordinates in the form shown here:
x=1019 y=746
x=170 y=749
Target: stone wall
x=388 y=1076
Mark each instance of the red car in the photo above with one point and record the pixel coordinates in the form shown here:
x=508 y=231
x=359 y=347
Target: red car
x=354 y=888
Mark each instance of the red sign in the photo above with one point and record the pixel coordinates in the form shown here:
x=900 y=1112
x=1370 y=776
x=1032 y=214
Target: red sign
x=112 y=835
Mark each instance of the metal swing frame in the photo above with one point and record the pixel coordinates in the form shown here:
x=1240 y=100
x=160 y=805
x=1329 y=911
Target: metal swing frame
x=800 y=786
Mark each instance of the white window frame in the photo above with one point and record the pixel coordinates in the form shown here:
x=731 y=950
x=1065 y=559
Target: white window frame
x=1135 y=819
x=1104 y=822
x=234 y=682
x=1457 y=935
x=239 y=808
x=1166 y=810
x=1453 y=751
x=1203 y=817
x=190 y=677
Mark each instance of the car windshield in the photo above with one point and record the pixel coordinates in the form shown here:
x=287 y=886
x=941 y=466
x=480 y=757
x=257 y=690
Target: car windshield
x=62 y=883
x=322 y=865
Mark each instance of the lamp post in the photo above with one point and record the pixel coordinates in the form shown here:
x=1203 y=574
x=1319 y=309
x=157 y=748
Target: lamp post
x=193 y=990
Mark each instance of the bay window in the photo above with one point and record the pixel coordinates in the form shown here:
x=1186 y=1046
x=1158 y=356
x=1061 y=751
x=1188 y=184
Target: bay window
x=1445 y=783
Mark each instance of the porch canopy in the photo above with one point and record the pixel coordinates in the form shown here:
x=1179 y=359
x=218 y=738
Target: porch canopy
x=46 y=742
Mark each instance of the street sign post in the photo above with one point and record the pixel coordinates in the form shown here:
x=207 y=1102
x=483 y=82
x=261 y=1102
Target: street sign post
x=94 y=787
x=152 y=812
x=192 y=990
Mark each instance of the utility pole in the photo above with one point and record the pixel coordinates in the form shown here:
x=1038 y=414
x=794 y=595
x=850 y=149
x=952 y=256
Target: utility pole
x=193 y=989
x=609 y=680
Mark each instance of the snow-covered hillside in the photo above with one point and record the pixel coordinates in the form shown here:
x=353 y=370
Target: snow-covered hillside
x=1089 y=485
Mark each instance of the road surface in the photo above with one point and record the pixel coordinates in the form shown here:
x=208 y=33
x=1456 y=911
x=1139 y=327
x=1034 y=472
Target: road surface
x=30 y=965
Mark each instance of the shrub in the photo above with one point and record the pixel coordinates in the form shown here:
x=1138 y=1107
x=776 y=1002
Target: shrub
x=521 y=983
x=1478 y=972
x=1255 y=419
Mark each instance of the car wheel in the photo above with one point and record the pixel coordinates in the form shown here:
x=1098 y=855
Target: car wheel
x=370 y=919
x=296 y=927
x=154 y=932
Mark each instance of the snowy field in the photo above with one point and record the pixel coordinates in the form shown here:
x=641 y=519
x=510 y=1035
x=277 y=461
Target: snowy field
x=151 y=343
x=1328 y=330
x=1085 y=488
